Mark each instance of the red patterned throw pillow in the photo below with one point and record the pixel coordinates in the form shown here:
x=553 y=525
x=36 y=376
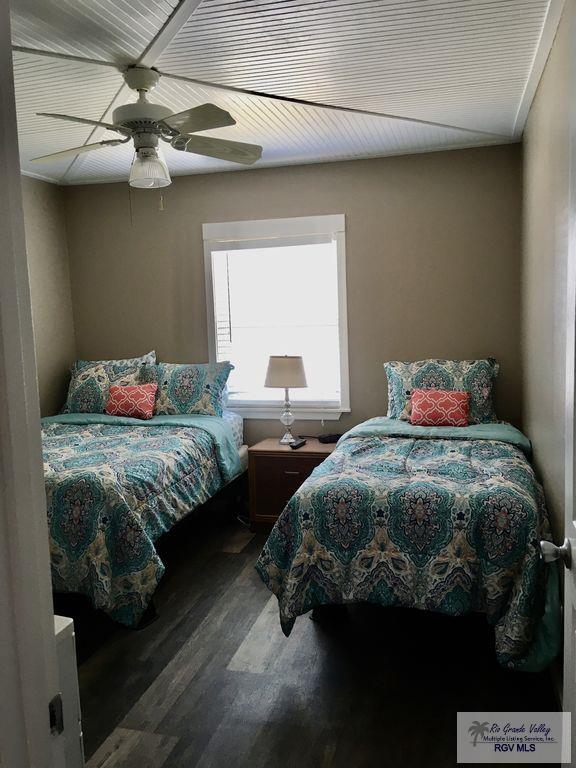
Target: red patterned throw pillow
x=439 y=408
x=136 y=400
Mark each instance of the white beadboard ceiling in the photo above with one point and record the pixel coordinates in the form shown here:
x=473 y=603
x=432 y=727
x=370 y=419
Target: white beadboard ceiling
x=309 y=80
x=108 y=30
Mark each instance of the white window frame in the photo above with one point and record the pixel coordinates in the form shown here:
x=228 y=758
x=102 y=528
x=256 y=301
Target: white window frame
x=284 y=231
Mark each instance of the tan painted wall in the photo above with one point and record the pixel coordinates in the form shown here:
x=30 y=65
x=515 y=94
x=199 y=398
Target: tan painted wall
x=433 y=262
x=49 y=273
x=545 y=237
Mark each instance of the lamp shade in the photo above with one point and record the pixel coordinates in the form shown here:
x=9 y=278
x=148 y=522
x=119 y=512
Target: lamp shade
x=149 y=170
x=285 y=371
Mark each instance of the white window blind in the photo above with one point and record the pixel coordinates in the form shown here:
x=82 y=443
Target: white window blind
x=278 y=288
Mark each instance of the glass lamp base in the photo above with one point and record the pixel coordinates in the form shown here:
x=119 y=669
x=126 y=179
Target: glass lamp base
x=287 y=419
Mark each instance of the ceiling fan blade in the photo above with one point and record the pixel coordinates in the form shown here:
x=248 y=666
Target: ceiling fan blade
x=77 y=150
x=235 y=151
x=202 y=118
x=108 y=126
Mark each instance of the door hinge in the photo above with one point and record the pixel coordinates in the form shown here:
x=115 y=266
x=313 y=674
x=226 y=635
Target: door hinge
x=56 y=715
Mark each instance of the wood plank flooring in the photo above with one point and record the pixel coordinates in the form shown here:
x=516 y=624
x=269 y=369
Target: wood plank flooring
x=214 y=682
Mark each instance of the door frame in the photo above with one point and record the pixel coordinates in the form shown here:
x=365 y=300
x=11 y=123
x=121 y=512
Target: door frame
x=28 y=665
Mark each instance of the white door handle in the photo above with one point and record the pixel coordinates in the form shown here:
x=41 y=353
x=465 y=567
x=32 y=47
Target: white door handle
x=551 y=552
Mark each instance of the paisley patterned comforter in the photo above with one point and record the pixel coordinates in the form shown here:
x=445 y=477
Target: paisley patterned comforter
x=113 y=486
x=416 y=517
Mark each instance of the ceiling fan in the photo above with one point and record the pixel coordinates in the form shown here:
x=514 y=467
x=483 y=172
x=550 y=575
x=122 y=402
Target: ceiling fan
x=145 y=124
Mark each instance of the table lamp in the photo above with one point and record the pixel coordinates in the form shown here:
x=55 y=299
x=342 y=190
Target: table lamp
x=285 y=371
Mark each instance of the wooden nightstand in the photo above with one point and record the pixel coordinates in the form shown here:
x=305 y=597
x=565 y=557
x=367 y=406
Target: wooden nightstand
x=276 y=472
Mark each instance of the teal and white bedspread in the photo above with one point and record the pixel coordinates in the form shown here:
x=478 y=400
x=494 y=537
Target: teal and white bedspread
x=113 y=486
x=441 y=519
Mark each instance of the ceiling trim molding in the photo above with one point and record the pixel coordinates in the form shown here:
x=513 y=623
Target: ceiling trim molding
x=509 y=141
x=541 y=54
x=38 y=177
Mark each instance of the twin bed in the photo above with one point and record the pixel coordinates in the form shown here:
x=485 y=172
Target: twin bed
x=440 y=519
x=114 y=485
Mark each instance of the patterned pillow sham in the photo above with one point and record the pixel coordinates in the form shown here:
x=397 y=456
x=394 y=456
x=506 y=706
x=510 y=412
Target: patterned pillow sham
x=148 y=359
x=89 y=388
x=197 y=388
x=473 y=376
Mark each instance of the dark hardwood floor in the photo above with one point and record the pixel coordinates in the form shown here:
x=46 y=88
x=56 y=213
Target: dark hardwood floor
x=213 y=681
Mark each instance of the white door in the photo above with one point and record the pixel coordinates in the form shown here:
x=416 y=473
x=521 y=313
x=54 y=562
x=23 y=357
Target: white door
x=567 y=552
x=28 y=667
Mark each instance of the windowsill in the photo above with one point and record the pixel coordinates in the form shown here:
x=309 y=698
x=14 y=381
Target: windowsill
x=300 y=414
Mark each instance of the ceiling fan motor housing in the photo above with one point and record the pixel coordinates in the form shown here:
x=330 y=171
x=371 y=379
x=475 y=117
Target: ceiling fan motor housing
x=141 y=117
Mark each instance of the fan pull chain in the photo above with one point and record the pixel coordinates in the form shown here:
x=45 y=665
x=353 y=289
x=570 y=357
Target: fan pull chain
x=161 y=202
x=130 y=205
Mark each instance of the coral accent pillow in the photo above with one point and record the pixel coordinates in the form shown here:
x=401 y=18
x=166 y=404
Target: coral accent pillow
x=136 y=401
x=439 y=408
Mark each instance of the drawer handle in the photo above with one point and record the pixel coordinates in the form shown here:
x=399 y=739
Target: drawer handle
x=291 y=472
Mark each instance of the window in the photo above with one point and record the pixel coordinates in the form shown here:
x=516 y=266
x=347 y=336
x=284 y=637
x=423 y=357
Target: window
x=278 y=287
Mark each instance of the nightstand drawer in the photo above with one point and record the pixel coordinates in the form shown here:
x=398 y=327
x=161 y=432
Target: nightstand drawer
x=282 y=471
x=278 y=480
x=274 y=478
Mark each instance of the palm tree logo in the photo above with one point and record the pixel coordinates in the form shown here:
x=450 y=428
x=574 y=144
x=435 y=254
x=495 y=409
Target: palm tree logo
x=477 y=729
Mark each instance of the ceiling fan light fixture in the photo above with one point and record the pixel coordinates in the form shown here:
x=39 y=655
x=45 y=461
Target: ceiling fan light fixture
x=149 y=170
